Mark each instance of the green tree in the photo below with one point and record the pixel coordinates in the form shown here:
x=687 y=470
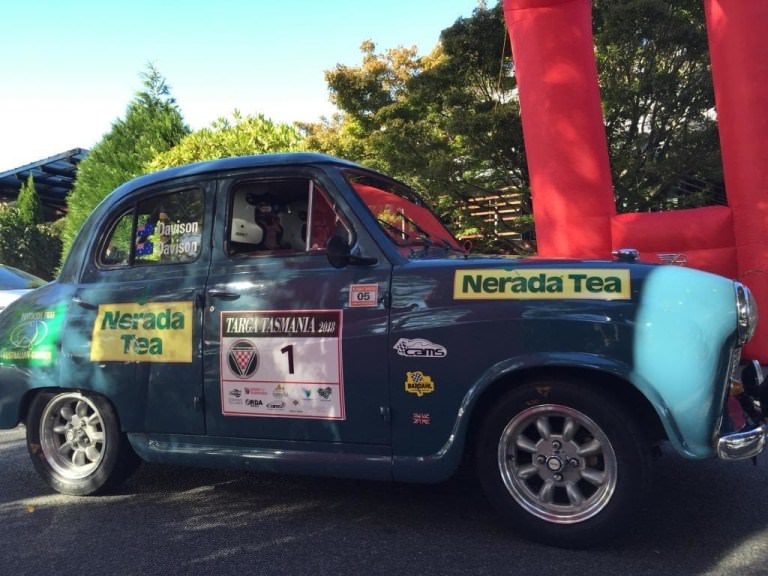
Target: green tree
x=447 y=123
x=28 y=203
x=28 y=246
x=153 y=124
x=240 y=136
x=26 y=242
x=656 y=86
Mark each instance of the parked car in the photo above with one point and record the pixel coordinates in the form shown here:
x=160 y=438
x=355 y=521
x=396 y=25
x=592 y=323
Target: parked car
x=303 y=314
x=14 y=283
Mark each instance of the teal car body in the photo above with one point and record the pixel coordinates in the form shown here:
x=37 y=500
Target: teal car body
x=206 y=307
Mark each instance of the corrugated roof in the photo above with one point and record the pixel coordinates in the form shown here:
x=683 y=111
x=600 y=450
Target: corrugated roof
x=53 y=178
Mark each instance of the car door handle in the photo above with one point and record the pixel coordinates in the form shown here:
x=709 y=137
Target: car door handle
x=223 y=294
x=83 y=303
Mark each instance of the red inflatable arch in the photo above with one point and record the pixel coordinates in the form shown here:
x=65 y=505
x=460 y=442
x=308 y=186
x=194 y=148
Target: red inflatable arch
x=568 y=154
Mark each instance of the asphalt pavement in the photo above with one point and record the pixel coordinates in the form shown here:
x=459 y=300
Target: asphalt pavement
x=704 y=518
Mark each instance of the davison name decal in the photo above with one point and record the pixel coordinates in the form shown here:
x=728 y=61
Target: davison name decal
x=542 y=284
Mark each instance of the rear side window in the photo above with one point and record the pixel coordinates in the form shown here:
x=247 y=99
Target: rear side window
x=163 y=229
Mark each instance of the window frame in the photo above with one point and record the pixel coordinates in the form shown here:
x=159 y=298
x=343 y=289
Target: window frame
x=131 y=209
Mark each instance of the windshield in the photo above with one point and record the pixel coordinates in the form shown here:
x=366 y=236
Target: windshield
x=14 y=279
x=401 y=213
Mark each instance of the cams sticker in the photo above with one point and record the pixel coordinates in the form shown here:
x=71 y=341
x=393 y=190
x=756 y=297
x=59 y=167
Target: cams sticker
x=154 y=332
x=542 y=284
x=418 y=383
x=419 y=348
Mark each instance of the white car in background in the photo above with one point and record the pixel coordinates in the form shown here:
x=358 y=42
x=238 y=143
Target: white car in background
x=14 y=283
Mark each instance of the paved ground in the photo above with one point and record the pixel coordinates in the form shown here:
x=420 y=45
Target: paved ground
x=706 y=518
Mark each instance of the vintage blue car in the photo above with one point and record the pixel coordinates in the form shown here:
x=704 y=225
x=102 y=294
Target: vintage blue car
x=302 y=314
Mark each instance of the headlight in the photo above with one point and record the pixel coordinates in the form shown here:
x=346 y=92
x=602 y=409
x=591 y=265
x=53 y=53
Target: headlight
x=746 y=309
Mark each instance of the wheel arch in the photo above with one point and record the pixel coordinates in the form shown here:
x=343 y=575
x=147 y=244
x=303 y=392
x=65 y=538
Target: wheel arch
x=612 y=385
x=29 y=397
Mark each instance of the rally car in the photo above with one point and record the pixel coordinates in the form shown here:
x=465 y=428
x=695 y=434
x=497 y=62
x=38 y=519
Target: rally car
x=302 y=314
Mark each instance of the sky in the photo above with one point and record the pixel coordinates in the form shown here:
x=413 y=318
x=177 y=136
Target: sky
x=68 y=70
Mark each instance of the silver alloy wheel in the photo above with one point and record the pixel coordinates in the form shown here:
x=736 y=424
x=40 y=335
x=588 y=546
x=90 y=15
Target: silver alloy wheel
x=557 y=463
x=72 y=435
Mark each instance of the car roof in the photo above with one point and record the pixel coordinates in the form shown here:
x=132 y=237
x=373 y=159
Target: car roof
x=232 y=164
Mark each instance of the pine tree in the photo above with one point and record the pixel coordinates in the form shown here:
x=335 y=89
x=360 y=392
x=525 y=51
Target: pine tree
x=28 y=204
x=153 y=123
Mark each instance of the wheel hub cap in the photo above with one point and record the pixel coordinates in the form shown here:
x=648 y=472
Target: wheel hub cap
x=557 y=463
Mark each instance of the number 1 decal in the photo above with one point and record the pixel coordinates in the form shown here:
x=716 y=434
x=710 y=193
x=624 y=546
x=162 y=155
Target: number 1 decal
x=282 y=363
x=288 y=350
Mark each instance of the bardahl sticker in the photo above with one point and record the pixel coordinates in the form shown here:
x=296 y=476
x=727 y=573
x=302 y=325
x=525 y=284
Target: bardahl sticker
x=418 y=383
x=542 y=284
x=153 y=332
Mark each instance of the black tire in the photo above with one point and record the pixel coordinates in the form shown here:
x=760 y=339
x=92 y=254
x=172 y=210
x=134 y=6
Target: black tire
x=564 y=463
x=75 y=443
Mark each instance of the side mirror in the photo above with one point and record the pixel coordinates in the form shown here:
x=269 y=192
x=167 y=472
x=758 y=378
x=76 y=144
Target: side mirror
x=340 y=256
x=338 y=252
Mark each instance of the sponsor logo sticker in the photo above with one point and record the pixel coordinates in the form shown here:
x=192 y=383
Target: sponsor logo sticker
x=132 y=332
x=418 y=383
x=419 y=348
x=34 y=339
x=542 y=284
x=243 y=359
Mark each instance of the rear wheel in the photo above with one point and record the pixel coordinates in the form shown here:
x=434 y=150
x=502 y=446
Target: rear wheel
x=564 y=462
x=76 y=444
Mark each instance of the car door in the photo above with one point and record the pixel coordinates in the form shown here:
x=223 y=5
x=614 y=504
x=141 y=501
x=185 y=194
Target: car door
x=134 y=326
x=295 y=349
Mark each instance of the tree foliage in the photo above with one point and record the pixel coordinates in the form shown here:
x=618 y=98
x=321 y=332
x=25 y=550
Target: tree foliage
x=26 y=242
x=29 y=246
x=28 y=203
x=657 y=93
x=239 y=136
x=153 y=124
x=449 y=123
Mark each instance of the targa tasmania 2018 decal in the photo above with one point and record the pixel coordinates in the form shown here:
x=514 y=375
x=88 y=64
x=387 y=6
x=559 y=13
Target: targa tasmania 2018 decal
x=282 y=363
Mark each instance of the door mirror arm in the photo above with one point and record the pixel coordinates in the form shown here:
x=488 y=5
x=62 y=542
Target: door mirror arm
x=340 y=256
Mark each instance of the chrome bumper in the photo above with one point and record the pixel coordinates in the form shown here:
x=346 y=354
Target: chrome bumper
x=740 y=445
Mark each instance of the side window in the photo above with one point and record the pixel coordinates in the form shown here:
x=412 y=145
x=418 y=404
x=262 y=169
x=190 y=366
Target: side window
x=285 y=216
x=163 y=229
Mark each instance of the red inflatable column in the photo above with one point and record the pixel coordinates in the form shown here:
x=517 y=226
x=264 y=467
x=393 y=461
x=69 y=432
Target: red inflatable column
x=738 y=43
x=565 y=140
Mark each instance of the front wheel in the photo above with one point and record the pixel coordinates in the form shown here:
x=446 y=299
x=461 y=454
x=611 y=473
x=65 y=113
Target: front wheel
x=564 y=462
x=76 y=444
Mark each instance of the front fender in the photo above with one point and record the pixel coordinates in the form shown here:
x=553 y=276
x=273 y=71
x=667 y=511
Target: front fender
x=685 y=330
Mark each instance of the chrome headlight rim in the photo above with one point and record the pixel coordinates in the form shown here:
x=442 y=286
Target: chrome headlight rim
x=746 y=310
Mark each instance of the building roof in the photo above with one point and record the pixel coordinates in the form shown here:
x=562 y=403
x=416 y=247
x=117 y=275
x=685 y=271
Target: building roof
x=54 y=178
